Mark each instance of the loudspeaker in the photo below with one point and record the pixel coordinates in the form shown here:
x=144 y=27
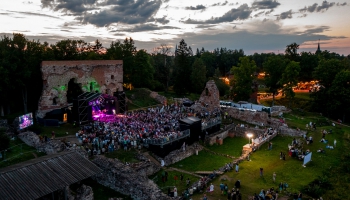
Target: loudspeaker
x=121 y=103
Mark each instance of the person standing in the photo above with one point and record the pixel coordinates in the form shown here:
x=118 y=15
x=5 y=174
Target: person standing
x=175 y=191
x=205 y=197
x=274 y=177
x=211 y=189
x=222 y=187
x=237 y=167
x=261 y=171
x=300 y=196
x=53 y=135
x=335 y=143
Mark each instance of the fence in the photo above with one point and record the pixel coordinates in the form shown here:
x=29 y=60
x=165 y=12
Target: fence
x=164 y=141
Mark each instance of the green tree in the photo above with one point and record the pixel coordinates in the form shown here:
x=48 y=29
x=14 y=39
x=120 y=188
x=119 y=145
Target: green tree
x=291 y=51
x=123 y=51
x=308 y=63
x=198 y=76
x=274 y=68
x=70 y=50
x=340 y=93
x=243 y=77
x=4 y=140
x=182 y=68
x=290 y=79
x=142 y=74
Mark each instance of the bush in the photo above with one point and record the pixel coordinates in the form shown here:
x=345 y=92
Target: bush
x=318 y=187
x=4 y=140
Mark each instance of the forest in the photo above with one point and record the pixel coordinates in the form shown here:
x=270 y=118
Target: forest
x=179 y=69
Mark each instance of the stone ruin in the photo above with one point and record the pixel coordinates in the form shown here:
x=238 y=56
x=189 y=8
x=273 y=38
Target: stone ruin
x=178 y=155
x=124 y=179
x=161 y=99
x=104 y=76
x=84 y=192
x=49 y=147
x=210 y=97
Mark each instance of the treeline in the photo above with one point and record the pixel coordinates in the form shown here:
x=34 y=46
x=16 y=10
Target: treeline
x=179 y=69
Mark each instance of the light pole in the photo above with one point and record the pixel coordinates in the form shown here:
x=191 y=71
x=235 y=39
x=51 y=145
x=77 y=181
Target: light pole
x=249 y=136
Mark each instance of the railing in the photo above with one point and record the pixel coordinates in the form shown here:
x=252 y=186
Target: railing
x=164 y=141
x=211 y=123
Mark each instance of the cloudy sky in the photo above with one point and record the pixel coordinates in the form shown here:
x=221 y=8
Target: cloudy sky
x=252 y=25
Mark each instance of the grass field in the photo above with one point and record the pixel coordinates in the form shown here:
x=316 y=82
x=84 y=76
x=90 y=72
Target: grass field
x=300 y=101
x=205 y=161
x=18 y=152
x=140 y=99
x=125 y=156
x=290 y=170
x=170 y=183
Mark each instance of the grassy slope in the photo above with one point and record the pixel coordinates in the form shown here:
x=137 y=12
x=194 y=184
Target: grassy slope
x=140 y=98
x=14 y=156
x=181 y=186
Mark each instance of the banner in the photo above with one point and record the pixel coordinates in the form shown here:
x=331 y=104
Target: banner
x=307 y=158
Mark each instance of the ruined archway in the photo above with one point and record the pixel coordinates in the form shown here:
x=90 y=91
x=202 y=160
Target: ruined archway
x=73 y=90
x=88 y=76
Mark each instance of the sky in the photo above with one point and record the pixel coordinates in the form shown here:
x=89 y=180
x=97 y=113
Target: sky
x=256 y=26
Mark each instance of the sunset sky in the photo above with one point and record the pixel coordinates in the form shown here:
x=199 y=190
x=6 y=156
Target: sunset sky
x=254 y=26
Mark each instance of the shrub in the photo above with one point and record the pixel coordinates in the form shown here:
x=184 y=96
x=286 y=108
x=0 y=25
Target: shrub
x=4 y=140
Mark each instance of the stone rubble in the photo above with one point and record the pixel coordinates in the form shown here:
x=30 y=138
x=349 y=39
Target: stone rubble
x=178 y=155
x=49 y=147
x=122 y=178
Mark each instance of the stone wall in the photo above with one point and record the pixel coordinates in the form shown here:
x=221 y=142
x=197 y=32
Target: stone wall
x=233 y=131
x=50 y=147
x=178 y=155
x=107 y=75
x=126 y=180
x=161 y=99
x=210 y=96
x=144 y=167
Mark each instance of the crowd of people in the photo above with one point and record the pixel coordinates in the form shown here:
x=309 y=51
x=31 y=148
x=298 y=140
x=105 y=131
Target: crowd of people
x=132 y=130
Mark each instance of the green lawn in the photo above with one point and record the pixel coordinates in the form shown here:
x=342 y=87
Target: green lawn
x=170 y=183
x=232 y=146
x=125 y=156
x=60 y=131
x=18 y=152
x=140 y=98
x=300 y=101
x=205 y=161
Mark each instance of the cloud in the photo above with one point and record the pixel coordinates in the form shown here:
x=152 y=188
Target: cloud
x=259 y=13
x=321 y=8
x=35 y=14
x=104 y=13
x=265 y=4
x=162 y=20
x=240 y=13
x=220 y=4
x=75 y=7
x=204 y=26
x=197 y=7
x=145 y=27
x=128 y=12
x=285 y=15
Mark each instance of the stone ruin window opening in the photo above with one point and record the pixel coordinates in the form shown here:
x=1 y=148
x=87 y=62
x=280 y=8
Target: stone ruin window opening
x=74 y=90
x=54 y=101
x=112 y=77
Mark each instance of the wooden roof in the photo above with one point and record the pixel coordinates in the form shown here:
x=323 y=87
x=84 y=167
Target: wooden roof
x=38 y=177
